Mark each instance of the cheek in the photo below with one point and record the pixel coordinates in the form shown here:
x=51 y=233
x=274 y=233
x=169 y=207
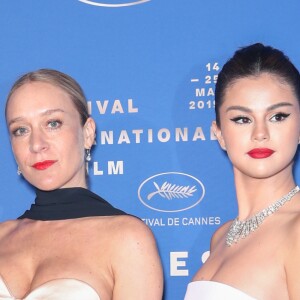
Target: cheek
x=289 y=136
x=74 y=143
x=18 y=151
x=235 y=139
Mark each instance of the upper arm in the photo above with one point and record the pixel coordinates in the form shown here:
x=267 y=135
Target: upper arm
x=137 y=267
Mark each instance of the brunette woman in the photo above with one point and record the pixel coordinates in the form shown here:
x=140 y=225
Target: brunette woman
x=256 y=256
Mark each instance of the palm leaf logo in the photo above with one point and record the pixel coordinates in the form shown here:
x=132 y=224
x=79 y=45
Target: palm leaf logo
x=170 y=191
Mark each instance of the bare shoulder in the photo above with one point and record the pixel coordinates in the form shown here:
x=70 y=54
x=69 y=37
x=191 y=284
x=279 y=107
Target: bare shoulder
x=292 y=233
x=8 y=226
x=131 y=232
x=219 y=235
x=291 y=257
x=135 y=260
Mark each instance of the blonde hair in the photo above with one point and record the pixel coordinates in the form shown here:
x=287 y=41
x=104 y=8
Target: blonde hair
x=59 y=79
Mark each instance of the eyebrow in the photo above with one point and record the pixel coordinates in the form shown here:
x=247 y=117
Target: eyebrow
x=248 y=110
x=45 y=113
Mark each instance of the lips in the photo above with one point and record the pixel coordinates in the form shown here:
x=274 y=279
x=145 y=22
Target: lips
x=43 y=165
x=259 y=153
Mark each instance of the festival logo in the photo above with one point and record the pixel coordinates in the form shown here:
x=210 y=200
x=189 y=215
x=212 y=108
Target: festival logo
x=171 y=192
x=114 y=3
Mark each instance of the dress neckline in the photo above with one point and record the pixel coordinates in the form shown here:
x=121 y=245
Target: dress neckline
x=4 y=287
x=212 y=289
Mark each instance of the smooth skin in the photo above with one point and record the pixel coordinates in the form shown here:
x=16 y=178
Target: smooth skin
x=260 y=112
x=115 y=255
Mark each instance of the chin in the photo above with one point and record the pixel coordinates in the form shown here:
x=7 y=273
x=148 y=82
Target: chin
x=265 y=174
x=45 y=186
x=46 y=189
x=256 y=174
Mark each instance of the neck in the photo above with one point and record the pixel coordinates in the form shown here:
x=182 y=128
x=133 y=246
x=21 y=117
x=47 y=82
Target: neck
x=68 y=203
x=255 y=194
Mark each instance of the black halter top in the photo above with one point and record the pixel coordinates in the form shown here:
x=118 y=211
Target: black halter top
x=68 y=203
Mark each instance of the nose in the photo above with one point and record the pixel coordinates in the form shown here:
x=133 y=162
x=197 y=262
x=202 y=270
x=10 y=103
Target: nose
x=38 y=141
x=260 y=132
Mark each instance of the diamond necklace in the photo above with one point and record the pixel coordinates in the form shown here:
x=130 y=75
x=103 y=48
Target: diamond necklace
x=241 y=229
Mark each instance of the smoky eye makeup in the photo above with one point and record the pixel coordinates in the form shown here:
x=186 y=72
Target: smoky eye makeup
x=279 y=117
x=240 y=120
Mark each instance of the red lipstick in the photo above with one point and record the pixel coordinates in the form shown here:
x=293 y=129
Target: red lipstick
x=43 y=165
x=259 y=153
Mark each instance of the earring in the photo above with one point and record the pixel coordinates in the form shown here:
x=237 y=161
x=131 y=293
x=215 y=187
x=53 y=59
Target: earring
x=19 y=172
x=88 y=156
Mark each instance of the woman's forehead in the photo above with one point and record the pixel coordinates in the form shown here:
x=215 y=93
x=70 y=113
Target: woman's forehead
x=38 y=96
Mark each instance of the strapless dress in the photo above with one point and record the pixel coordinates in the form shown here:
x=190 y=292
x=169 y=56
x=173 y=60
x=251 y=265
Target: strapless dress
x=56 y=289
x=212 y=290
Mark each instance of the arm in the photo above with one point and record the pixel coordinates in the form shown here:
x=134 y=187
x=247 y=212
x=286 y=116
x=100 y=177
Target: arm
x=137 y=267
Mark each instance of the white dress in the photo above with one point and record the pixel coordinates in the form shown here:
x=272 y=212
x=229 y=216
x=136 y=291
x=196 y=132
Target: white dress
x=56 y=289
x=212 y=290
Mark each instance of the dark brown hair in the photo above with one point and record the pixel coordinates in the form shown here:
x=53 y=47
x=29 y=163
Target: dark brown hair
x=254 y=60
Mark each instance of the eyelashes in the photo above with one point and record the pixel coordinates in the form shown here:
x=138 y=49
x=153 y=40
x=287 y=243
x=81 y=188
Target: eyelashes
x=51 y=125
x=241 y=120
x=20 y=131
x=278 y=117
x=54 y=124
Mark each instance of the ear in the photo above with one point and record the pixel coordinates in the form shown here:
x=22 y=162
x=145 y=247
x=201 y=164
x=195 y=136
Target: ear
x=218 y=133
x=89 y=131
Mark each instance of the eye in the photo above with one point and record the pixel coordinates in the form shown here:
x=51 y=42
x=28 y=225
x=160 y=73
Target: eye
x=279 y=117
x=20 y=131
x=54 y=124
x=241 y=120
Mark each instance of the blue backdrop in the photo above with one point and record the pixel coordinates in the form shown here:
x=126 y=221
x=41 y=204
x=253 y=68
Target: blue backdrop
x=148 y=69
